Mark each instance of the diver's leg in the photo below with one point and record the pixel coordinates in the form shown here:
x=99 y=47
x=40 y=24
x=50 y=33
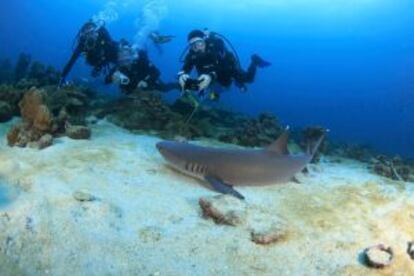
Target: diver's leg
x=249 y=75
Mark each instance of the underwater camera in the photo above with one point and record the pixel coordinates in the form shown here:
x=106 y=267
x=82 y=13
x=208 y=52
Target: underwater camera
x=192 y=85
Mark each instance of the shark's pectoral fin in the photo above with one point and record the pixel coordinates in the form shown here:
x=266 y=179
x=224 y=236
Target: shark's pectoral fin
x=222 y=187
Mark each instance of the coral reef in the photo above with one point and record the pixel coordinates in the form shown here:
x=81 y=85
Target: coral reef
x=148 y=111
x=37 y=120
x=361 y=153
x=393 y=168
x=27 y=73
x=5 y=112
x=39 y=125
x=259 y=131
x=10 y=96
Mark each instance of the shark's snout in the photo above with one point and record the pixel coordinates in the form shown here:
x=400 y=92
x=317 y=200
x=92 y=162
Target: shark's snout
x=160 y=147
x=164 y=147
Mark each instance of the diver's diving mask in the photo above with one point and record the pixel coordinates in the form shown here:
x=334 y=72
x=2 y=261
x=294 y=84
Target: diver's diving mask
x=197 y=44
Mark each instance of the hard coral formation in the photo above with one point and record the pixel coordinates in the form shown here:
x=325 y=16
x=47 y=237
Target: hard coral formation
x=147 y=111
x=5 y=112
x=28 y=73
x=259 y=131
x=38 y=124
x=358 y=152
x=35 y=112
x=37 y=120
x=393 y=168
x=11 y=96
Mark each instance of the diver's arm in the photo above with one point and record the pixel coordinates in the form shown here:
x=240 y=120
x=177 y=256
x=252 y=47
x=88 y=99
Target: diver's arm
x=187 y=66
x=71 y=62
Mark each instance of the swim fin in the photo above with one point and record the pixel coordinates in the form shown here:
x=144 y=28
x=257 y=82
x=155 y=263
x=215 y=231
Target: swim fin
x=259 y=62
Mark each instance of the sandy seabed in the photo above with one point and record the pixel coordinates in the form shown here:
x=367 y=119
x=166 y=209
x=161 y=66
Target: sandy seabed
x=145 y=218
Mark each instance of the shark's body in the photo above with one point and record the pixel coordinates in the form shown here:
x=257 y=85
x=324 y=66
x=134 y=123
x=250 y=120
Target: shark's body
x=223 y=167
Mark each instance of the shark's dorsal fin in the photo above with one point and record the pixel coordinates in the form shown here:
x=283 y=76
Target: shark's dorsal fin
x=280 y=146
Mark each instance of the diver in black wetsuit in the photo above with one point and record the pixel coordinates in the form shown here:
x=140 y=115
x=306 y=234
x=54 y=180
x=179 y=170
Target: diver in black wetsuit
x=101 y=52
x=214 y=62
x=134 y=70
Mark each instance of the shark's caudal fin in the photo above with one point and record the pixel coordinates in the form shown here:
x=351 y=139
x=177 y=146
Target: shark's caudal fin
x=280 y=146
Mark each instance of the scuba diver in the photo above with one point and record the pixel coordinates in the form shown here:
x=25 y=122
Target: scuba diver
x=134 y=70
x=214 y=62
x=100 y=50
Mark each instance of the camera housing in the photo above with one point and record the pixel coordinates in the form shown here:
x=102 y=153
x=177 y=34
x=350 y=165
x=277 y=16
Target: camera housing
x=192 y=85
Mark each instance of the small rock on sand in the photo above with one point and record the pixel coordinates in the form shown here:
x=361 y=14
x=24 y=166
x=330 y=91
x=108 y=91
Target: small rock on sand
x=224 y=209
x=83 y=196
x=78 y=132
x=378 y=256
x=274 y=233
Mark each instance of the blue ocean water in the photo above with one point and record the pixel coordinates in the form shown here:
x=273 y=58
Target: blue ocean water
x=345 y=65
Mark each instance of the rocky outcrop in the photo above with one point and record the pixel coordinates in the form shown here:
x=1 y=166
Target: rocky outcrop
x=78 y=132
x=6 y=112
x=39 y=126
x=254 y=132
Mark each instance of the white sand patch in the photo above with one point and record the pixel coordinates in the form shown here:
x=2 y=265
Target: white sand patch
x=146 y=218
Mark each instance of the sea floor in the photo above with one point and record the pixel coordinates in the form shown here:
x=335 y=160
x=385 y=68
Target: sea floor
x=139 y=217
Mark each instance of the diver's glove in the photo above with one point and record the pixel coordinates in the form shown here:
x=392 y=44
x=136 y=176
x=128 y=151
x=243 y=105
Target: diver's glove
x=182 y=78
x=120 y=78
x=204 y=81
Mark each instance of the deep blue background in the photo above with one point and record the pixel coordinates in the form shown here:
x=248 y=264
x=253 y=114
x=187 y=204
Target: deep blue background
x=347 y=65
